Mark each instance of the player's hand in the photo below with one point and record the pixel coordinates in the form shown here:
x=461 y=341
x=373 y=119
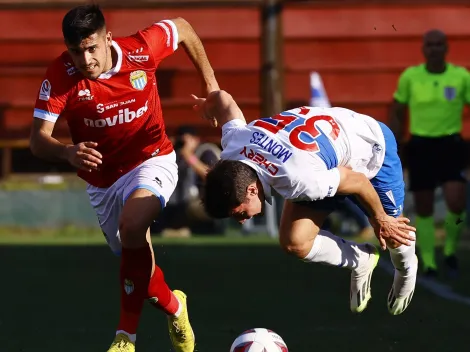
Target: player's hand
x=200 y=107
x=388 y=228
x=83 y=156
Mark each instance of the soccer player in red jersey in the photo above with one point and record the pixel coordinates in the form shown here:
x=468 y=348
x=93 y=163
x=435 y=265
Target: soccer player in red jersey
x=106 y=90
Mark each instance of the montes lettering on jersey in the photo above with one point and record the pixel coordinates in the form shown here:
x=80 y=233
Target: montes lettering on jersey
x=271 y=146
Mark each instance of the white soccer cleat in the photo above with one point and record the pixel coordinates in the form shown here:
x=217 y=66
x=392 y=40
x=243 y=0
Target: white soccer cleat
x=403 y=287
x=360 y=281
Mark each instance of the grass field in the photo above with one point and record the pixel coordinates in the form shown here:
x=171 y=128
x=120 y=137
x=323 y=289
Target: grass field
x=63 y=298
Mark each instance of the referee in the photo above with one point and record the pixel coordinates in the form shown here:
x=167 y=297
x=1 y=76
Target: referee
x=435 y=94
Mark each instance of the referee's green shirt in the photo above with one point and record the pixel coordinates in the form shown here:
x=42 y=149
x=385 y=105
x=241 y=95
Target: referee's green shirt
x=435 y=100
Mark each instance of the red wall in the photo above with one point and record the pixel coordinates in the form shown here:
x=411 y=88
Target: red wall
x=359 y=52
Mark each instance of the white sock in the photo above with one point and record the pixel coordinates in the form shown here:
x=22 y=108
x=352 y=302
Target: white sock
x=180 y=308
x=333 y=250
x=132 y=337
x=403 y=257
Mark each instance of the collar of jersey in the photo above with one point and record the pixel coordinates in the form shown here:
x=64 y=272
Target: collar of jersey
x=115 y=69
x=267 y=191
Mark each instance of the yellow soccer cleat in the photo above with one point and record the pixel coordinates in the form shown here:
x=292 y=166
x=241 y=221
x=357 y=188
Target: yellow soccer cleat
x=122 y=343
x=181 y=333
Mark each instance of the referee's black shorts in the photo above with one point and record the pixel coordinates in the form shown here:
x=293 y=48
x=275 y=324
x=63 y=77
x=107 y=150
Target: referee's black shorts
x=433 y=161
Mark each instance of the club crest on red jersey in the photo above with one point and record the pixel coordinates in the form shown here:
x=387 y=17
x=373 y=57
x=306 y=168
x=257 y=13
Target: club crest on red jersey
x=138 y=79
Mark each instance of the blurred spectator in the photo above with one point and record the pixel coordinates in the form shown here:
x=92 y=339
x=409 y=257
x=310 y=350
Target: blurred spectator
x=435 y=93
x=184 y=213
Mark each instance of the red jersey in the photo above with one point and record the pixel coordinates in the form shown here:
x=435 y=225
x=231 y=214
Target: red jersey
x=120 y=110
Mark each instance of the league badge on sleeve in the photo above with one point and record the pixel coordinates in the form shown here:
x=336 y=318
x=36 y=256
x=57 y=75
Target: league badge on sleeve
x=45 y=91
x=450 y=92
x=138 y=79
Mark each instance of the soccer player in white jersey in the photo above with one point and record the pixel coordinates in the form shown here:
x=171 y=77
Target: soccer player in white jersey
x=314 y=158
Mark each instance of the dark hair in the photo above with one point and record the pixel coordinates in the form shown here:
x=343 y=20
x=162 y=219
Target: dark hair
x=81 y=22
x=186 y=129
x=225 y=187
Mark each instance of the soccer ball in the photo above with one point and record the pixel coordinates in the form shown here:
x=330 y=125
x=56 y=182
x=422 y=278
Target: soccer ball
x=259 y=340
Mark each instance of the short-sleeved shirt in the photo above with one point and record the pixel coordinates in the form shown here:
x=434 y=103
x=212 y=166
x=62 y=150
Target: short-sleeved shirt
x=435 y=100
x=297 y=152
x=120 y=110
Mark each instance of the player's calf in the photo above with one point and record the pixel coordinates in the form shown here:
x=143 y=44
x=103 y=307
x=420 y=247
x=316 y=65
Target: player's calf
x=135 y=272
x=137 y=259
x=330 y=249
x=361 y=259
x=160 y=295
x=173 y=304
x=405 y=262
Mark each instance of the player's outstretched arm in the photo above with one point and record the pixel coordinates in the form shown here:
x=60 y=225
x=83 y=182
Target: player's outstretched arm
x=195 y=50
x=43 y=145
x=385 y=226
x=218 y=107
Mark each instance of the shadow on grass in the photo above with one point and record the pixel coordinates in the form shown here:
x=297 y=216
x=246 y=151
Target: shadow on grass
x=64 y=298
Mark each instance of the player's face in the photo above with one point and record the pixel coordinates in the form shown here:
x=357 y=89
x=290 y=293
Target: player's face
x=92 y=56
x=252 y=206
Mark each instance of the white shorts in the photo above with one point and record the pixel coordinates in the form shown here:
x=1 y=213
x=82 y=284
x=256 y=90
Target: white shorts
x=158 y=175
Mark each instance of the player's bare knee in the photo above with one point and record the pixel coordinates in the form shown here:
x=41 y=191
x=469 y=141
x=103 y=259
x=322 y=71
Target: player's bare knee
x=133 y=232
x=296 y=250
x=296 y=247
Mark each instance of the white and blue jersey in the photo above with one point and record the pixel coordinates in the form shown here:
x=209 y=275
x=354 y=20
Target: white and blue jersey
x=297 y=153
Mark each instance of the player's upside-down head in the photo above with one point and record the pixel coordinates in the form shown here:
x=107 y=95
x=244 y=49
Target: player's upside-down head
x=233 y=189
x=87 y=41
